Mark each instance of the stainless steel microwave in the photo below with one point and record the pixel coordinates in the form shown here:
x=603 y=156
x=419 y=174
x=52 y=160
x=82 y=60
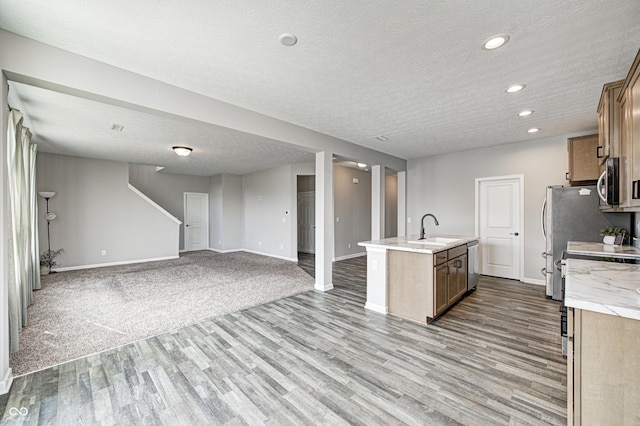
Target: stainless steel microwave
x=609 y=183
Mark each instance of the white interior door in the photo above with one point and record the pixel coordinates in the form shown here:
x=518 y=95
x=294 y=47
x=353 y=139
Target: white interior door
x=500 y=227
x=307 y=222
x=196 y=221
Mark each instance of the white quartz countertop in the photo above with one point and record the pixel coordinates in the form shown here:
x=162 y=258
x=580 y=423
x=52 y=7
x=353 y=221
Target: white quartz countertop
x=603 y=287
x=603 y=250
x=406 y=244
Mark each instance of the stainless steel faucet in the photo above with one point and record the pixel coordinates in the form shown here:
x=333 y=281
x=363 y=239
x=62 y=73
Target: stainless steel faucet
x=422 y=224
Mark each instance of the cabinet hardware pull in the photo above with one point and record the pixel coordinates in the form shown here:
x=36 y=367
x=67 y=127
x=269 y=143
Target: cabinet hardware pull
x=598 y=154
x=516 y=234
x=636 y=190
x=566 y=176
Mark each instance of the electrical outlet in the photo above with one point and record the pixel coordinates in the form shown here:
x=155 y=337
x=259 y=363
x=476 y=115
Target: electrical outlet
x=103 y=253
x=349 y=245
x=259 y=197
x=337 y=219
x=408 y=220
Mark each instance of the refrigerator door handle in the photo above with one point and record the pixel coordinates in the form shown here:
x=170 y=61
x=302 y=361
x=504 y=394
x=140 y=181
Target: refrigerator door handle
x=543 y=213
x=601 y=188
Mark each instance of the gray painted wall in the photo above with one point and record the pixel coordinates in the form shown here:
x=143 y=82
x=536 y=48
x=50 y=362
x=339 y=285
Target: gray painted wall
x=97 y=211
x=352 y=207
x=445 y=186
x=268 y=203
x=225 y=199
x=167 y=189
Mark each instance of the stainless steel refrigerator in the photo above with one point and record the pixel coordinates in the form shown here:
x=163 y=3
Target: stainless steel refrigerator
x=571 y=213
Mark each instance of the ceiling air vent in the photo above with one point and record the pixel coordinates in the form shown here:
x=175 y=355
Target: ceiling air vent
x=117 y=127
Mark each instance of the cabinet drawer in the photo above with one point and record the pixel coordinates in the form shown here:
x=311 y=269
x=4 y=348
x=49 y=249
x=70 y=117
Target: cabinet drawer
x=440 y=258
x=457 y=251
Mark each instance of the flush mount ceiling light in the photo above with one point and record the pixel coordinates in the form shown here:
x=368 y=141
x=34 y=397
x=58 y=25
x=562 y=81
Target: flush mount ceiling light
x=182 y=151
x=525 y=113
x=288 y=39
x=515 y=88
x=495 y=42
x=361 y=165
x=533 y=130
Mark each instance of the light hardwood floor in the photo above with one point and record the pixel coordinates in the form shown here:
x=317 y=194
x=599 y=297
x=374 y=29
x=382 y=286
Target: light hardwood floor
x=321 y=358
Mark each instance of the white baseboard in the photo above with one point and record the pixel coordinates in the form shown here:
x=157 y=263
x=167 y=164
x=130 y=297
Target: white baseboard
x=376 y=308
x=349 y=256
x=323 y=287
x=224 y=251
x=290 y=259
x=534 y=281
x=7 y=380
x=124 y=262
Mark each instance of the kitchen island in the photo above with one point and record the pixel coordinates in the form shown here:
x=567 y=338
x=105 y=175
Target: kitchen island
x=416 y=279
x=603 y=360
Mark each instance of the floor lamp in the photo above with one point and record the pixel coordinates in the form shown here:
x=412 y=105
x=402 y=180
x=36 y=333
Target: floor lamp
x=49 y=216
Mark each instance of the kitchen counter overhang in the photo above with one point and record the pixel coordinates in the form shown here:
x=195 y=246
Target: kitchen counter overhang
x=409 y=243
x=603 y=287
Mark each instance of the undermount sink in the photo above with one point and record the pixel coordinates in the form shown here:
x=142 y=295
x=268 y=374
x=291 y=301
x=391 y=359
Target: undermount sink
x=437 y=241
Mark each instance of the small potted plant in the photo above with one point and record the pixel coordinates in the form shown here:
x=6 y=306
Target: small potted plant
x=609 y=234
x=48 y=260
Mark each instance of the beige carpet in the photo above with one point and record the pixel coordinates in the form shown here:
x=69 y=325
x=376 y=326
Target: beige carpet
x=77 y=313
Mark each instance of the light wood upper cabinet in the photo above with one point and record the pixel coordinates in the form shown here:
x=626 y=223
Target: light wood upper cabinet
x=609 y=121
x=629 y=101
x=584 y=165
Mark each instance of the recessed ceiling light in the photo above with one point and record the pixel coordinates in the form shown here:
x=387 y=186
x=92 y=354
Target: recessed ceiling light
x=495 y=42
x=382 y=138
x=533 y=130
x=288 y=39
x=117 y=127
x=182 y=151
x=362 y=165
x=525 y=113
x=515 y=88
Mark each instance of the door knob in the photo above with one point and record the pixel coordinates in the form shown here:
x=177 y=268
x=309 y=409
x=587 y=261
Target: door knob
x=514 y=233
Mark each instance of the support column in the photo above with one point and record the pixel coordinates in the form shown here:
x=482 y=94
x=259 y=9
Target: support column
x=402 y=204
x=377 y=202
x=324 y=221
x=6 y=378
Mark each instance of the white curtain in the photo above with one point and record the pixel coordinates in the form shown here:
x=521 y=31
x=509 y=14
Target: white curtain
x=24 y=259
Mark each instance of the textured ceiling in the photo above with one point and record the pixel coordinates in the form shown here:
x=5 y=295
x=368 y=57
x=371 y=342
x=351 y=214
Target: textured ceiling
x=70 y=125
x=412 y=71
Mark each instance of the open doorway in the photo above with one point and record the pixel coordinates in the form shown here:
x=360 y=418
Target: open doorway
x=306 y=202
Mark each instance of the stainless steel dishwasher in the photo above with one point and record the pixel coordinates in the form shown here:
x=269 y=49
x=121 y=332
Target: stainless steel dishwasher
x=473 y=265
